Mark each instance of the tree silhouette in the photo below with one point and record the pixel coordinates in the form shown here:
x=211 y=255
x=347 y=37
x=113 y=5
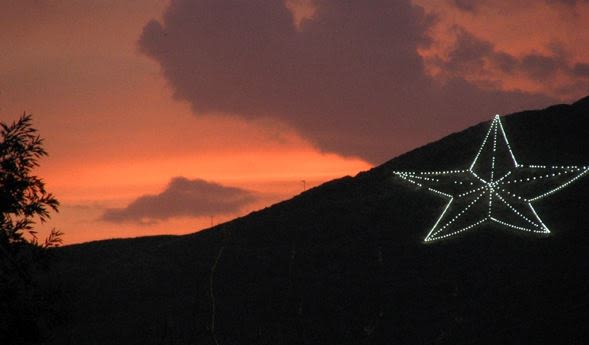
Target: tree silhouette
x=25 y=303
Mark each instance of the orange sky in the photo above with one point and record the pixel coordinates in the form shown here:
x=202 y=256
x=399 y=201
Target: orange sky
x=114 y=131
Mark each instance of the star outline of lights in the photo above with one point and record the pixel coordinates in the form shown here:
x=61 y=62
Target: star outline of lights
x=495 y=188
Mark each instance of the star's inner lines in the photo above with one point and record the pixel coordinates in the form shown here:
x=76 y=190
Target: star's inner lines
x=476 y=195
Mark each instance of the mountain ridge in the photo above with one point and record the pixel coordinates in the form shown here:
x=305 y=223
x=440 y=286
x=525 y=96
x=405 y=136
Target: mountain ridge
x=345 y=263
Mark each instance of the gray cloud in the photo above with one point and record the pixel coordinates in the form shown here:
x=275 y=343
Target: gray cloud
x=471 y=56
x=182 y=198
x=474 y=6
x=541 y=67
x=581 y=69
x=465 y=5
x=567 y=2
x=349 y=79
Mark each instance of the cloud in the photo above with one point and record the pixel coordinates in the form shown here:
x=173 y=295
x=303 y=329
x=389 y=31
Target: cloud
x=567 y=2
x=465 y=5
x=474 y=6
x=479 y=60
x=349 y=78
x=182 y=198
x=581 y=69
x=541 y=67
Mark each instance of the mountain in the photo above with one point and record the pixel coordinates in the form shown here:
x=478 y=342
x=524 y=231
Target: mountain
x=345 y=263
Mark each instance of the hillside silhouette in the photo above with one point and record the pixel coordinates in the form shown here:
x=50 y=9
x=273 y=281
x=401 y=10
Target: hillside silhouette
x=345 y=263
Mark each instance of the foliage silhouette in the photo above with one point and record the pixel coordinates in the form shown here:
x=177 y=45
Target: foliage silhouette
x=28 y=301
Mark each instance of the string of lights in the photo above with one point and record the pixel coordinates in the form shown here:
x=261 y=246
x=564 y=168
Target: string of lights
x=476 y=197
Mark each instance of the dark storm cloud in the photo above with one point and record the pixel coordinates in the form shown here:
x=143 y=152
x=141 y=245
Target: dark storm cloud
x=182 y=198
x=349 y=79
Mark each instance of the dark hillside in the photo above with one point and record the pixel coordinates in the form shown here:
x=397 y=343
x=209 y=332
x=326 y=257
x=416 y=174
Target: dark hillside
x=345 y=263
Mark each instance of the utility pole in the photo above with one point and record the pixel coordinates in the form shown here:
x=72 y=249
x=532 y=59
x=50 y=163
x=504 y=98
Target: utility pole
x=304 y=185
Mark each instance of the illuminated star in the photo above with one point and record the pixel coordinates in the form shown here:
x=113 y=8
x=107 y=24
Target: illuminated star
x=495 y=188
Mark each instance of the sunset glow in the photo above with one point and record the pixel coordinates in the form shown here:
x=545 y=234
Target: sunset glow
x=119 y=123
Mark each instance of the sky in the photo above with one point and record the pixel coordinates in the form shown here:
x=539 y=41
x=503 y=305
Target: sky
x=164 y=117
